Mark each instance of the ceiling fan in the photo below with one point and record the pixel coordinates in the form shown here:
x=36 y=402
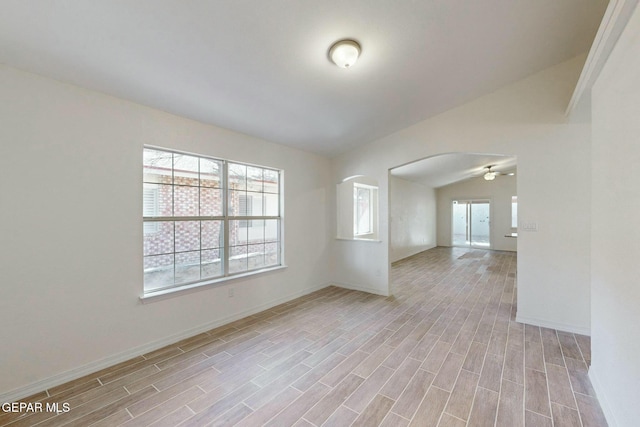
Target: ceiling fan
x=490 y=175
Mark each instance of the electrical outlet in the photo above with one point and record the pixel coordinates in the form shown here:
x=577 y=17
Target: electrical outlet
x=231 y=292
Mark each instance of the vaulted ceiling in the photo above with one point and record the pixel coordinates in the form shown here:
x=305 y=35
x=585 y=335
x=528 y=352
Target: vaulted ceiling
x=445 y=169
x=261 y=67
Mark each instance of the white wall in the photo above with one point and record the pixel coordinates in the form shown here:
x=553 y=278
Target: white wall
x=412 y=210
x=71 y=231
x=524 y=119
x=499 y=191
x=615 y=245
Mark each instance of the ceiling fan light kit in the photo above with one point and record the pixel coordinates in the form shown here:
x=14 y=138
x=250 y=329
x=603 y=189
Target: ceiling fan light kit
x=490 y=176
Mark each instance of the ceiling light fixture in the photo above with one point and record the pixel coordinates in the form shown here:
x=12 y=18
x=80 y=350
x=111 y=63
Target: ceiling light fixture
x=344 y=53
x=490 y=175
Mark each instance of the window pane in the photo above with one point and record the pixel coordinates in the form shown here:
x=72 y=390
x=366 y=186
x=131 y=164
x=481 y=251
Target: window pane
x=185 y=170
x=212 y=234
x=362 y=220
x=460 y=225
x=271 y=230
x=254 y=179
x=238 y=259
x=210 y=173
x=237 y=203
x=254 y=204
x=149 y=200
x=272 y=254
x=480 y=217
x=271 y=181
x=157 y=166
x=149 y=227
x=271 y=205
x=245 y=204
x=158 y=272
x=210 y=202
x=514 y=211
x=186 y=201
x=160 y=240
x=237 y=177
x=211 y=263
x=238 y=232
x=255 y=232
x=157 y=200
x=187 y=236
x=255 y=256
x=187 y=267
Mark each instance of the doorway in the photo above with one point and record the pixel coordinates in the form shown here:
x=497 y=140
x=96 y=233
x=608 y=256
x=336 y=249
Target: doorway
x=471 y=223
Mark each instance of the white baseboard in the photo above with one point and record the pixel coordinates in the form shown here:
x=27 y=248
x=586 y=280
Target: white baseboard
x=410 y=253
x=553 y=325
x=602 y=398
x=70 y=375
x=360 y=288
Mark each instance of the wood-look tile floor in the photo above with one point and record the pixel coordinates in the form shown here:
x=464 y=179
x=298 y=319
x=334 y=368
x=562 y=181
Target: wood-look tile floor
x=444 y=351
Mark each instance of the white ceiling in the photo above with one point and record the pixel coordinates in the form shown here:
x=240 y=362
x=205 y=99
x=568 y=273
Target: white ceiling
x=446 y=169
x=260 y=66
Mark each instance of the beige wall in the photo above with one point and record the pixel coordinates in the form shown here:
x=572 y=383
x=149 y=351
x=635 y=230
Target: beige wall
x=615 y=244
x=412 y=213
x=71 y=227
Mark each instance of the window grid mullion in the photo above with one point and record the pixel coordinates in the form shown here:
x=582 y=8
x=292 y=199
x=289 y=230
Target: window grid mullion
x=225 y=211
x=200 y=222
x=173 y=212
x=181 y=218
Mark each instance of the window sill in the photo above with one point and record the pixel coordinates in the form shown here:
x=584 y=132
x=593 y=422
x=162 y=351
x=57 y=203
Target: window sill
x=359 y=239
x=193 y=287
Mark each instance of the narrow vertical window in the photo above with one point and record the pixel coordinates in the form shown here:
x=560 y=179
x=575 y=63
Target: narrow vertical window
x=363 y=212
x=514 y=211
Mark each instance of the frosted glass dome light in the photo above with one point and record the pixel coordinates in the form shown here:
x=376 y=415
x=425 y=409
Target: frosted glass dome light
x=490 y=176
x=344 y=53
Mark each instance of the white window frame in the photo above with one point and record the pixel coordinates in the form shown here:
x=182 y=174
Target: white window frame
x=514 y=218
x=150 y=221
x=356 y=210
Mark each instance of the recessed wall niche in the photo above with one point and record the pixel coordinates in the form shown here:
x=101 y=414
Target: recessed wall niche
x=357 y=216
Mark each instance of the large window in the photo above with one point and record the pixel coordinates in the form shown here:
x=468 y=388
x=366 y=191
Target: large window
x=206 y=219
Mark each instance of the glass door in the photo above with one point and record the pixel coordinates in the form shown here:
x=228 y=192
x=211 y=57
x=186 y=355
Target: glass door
x=460 y=223
x=480 y=225
x=471 y=224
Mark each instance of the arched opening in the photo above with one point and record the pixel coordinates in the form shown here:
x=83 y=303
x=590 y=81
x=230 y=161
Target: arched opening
x=451 y=200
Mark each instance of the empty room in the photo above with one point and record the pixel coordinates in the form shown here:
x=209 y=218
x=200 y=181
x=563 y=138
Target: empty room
x=319 y=213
